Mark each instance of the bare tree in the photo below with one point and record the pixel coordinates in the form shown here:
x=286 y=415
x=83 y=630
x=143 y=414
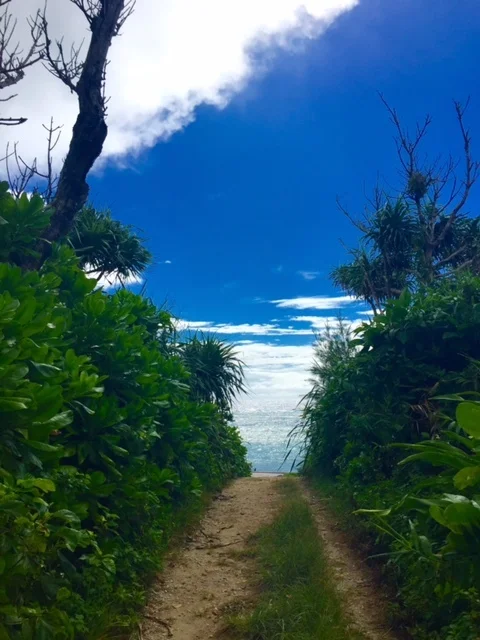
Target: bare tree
x=436 y=188
x=14 y=60
x=23 y=173
x=412 y=235
x=86 y=78
x=83 y=75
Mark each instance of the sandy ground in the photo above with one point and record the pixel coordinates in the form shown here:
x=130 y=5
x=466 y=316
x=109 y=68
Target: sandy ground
x=204 y=579
x=188 y=600
x=363 y=600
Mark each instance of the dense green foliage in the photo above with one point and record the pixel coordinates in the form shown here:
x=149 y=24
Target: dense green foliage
x=101 y=446
x=105 y=246
x=443 y=538
x=395 y=252
x=298 y=599
x=384 y=388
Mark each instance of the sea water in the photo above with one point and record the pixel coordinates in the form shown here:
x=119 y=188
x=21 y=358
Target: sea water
x=266 y=435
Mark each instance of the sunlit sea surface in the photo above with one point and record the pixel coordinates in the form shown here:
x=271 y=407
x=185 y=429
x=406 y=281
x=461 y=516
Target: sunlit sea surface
x=265 y=434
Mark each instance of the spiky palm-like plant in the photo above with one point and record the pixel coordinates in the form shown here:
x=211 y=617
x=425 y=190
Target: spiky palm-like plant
x=106 y=246
x=216 y=372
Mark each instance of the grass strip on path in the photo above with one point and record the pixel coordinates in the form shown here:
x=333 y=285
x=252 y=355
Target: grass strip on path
x=297 y=599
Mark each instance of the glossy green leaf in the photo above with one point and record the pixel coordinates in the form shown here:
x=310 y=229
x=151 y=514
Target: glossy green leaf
x=468 y=417
x=40 y=483
x=14 y=404
x=43 y=446
x=66 y=515
x=467 y=477
x=46 y=370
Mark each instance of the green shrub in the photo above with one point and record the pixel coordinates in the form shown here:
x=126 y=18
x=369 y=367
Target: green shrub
x=101 y=445
x=381 y=389
x=444 y=527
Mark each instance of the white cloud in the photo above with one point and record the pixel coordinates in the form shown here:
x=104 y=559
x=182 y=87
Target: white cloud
x=315 y=302
x=368 y=312
x=172 y=56
x=277 y=375
x=317 y=322
x=320 y=323
x=256 y=329
x=309 y=275
x=167 y=262
x=191 y=325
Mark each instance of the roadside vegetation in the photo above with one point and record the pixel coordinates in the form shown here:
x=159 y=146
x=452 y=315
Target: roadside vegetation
x=113 y=427
x=297 y=600
x=392 y=421
x=112 y=430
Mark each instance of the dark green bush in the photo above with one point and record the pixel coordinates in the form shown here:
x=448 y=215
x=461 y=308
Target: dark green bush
x=101 y=445
x=381 y=389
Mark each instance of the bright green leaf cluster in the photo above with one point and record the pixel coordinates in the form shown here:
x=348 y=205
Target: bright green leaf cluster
x=397 y=384
x=102 y=443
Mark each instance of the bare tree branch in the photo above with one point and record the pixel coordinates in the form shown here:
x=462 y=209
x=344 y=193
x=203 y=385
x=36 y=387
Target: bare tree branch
x=357 y=223
x=13 y=60
x=407 y=146
x=87 y=79
x=66 y=69
x=18 y=180
x=472 y=169
x=11 y=122
x=432 y=236
x=449 y=258
x=377 y=200
x=53 y=137
x=21 y=178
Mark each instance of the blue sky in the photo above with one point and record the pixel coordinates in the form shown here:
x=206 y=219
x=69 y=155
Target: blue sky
x=241 y=199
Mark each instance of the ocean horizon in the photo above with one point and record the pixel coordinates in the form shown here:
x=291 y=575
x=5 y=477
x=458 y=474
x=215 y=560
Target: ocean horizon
x=265 y=433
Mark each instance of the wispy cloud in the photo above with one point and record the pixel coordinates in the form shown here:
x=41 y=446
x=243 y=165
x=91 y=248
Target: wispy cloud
x=278 y=269
x=172 y=57
x=315 y=302
x=316 y=322
x=276 y=327
x=368 y=312
x=320 y=323
x=277 y=375
x=256 y=329
x=309 y=275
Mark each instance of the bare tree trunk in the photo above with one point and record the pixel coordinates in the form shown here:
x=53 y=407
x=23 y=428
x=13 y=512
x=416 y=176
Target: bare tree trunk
x=90 y=129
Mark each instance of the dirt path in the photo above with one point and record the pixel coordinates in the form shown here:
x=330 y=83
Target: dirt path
x=364 y=603
x=206 y=578
x=186 y=602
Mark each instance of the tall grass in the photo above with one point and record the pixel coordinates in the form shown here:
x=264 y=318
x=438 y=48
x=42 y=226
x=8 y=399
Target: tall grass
x=297 y=600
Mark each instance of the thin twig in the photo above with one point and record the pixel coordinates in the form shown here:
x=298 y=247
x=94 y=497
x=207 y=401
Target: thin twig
x=161 y=622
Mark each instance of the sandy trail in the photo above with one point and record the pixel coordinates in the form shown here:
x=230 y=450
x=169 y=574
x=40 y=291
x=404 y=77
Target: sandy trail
x=187 y=601
x=202 y=581
x=364 y=604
